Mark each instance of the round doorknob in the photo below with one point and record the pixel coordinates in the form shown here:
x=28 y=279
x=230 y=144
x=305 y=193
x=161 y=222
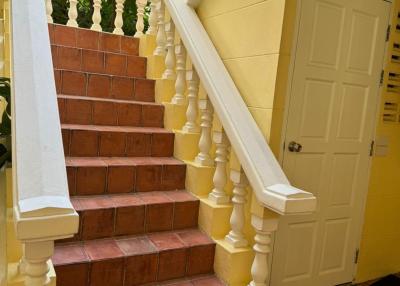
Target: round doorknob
x=295 y=147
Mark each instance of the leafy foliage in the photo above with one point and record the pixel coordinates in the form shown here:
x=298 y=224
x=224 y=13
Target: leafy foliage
x=85 y=12
x=5 y=92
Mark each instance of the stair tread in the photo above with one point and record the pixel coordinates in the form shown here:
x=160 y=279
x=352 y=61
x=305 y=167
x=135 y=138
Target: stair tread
x=82 y=203
x=105 y=128
x=120 y=161
x=111 y=248
x=104 y=74
x=102 y=99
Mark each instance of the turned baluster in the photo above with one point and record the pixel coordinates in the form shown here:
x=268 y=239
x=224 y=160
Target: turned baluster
x=72 y=13
x=264 y=229
x=191 y=112
x=204 y=158
x=96 y=16
x=180 y=83
x=140 y=4
x=161 y=38
x=119 y=22
x=49 y=11
x=169 y=72
x=36 y=268
x=236 y=237
x=218 y=194
x=152 y=30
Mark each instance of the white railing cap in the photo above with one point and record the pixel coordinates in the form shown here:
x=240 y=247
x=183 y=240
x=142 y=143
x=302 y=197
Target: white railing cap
x=263 y=171
x=40 y=181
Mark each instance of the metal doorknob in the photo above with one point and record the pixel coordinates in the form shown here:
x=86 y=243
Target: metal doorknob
x=295 y=147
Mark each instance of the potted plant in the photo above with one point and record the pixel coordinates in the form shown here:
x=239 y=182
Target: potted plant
x=5 y=119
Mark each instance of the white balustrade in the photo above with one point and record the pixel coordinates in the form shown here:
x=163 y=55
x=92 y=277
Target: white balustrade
x=152 y=30
x=204 y=158
x=36 y=267
x=169 y=72
x=72 y=13
x=193 y=91
x=264 y=229
x=161 y=39
x=96 y=16
x=236 y=237
x=140 y=4
x=218 y=194
x=49 y=11
x=180 y=83
x=119 y=22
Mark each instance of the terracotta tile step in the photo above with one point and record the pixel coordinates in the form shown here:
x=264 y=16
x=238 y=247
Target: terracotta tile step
x=88 y=39
x=135 y=260
x=200 y=280
x=101 y=111
x=85 y=60
x=108 y=141
x=90 y=84
x=132 y=214
x=98 y=176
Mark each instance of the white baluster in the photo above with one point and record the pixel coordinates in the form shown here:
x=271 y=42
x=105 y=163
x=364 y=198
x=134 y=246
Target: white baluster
x=72 y=13
x=218 y=194
x=236 y=236
x=262 y=248
x=96 y=16
x=169 y=72
x=193 y=91
x=36 y=268
x=161 y=38
x=119 y=22
x=204 y=158
x=152 y=30
x=180 y=83
x=140 y=4
x=49 y=11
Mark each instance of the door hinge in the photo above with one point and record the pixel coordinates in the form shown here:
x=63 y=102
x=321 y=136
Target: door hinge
x=356 y=256
x=389 y=27
x=382 y=77
x=372 y=147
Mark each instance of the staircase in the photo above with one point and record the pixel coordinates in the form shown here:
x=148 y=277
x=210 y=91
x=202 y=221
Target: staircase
x=137 y=223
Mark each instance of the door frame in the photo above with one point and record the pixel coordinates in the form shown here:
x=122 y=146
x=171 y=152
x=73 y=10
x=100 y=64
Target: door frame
x=287 y=99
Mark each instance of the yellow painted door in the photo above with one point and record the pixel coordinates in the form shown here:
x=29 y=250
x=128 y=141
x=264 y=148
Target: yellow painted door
x=333 y=103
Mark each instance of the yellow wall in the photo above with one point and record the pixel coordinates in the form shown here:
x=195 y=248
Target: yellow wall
x=380 y=245
x=248 y=37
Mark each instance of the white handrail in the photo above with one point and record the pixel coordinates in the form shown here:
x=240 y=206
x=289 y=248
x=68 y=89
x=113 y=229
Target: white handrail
x=42 y=207
x=264 y=173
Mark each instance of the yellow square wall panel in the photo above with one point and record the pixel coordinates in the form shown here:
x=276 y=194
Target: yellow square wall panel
x=214 y=219
x=210 y=8
x=164 y=90
x=155 y=67
x=174 y=115
x=258 y=27
x=255 y=77
x=233 y=265
x=147 y=45
x=186 y=145
x=199 y=179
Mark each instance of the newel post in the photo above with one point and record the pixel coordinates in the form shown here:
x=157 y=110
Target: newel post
x=36 y=257
x=264 y=227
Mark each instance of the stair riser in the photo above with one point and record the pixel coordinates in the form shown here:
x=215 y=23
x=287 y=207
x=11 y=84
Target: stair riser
x=84 y=181
x=139 y=269
x=79 y=111
x=136 y=220
x=103 y=86
x=87 y=39
x=88 y=143
x=98 y=62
